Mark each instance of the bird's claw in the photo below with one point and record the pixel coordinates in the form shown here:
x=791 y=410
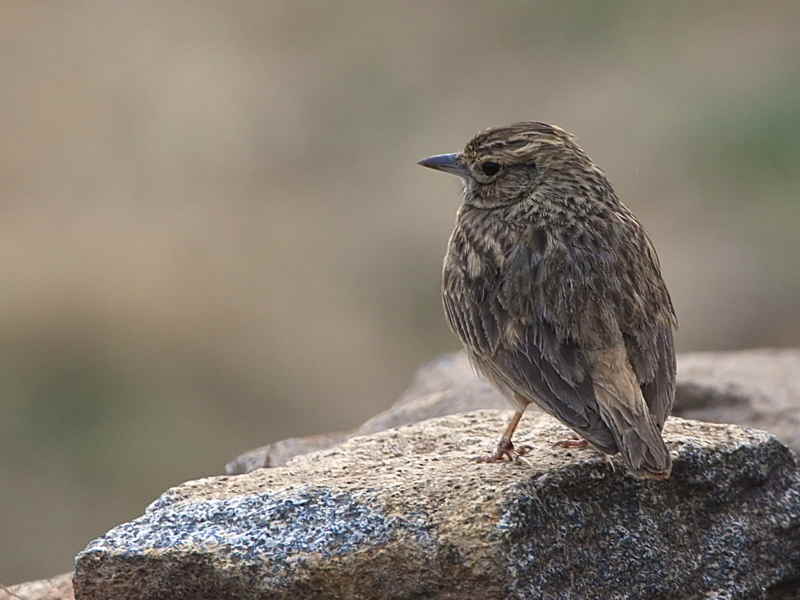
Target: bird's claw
x=571 y=444
x=506 y=451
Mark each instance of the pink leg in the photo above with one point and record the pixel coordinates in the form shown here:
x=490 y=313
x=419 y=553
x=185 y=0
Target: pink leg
x=505 y=448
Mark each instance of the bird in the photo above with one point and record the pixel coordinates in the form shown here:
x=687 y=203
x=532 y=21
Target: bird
x=556 y=293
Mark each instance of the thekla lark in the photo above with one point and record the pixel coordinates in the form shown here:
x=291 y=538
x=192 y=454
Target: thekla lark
x=555 y=290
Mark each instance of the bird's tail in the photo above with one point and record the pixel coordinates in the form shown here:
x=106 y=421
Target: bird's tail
x=624 y=410
x=647 y=456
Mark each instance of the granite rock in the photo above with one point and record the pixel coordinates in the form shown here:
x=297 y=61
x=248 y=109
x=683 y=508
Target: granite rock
x=55 y=588
x=407 y=513
x=278 y=453
x=756 y=388
x=445 y=386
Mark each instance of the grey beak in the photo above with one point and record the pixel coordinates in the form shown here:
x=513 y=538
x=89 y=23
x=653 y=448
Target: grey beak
x=449 y=163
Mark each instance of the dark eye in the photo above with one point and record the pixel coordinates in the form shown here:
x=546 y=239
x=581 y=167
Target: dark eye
x=490 y=168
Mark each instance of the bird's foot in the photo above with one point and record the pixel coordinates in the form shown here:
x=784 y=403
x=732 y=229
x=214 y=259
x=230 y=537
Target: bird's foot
x=505 y=451
x=579 y=443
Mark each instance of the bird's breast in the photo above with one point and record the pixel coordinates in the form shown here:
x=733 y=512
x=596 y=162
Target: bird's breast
x=479 y=246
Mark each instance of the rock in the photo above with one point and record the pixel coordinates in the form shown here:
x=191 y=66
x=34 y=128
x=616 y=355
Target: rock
x=756 y=388
x=406 y=513
x=445 y=386
x=452 y=373
x=55 y=588
x=279 y=453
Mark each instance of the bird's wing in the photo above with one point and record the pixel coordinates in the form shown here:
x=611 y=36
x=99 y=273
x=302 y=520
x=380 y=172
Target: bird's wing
x=650 y=346
x=473 y=315
x=556 y=379
x=653 y=360
x=515 y=341
x=623 y=407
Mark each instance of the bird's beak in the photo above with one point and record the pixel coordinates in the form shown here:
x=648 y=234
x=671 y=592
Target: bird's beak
x=449 y=163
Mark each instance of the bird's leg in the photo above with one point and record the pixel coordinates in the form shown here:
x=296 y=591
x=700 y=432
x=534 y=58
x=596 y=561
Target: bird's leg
x=573 y=443
x=505 y=448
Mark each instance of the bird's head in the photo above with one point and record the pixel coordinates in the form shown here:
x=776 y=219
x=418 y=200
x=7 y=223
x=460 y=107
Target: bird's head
x=504 y=165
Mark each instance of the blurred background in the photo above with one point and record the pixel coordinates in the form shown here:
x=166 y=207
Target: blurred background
x=214 y=234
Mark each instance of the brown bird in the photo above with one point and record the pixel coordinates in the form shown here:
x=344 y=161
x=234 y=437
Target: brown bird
x=556 y=292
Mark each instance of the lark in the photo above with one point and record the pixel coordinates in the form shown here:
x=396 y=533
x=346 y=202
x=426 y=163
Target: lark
x=555 y=290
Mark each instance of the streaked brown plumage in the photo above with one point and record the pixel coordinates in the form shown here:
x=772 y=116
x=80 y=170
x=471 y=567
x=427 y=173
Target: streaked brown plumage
x=556 y=292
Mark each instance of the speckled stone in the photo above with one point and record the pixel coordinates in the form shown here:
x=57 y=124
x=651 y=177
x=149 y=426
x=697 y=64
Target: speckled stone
x=54 y=588
x=277 y=454
x=755 y=388
x=406 y=513
x=447 y=385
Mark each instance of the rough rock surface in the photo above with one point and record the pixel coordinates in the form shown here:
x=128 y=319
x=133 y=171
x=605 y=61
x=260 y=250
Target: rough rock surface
x=406 y=513
x=756 y=388
x=276 y=454
x=445 y=386
x=55 y=588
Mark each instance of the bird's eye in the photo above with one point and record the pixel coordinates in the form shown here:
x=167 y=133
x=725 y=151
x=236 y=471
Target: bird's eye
x=490 y=168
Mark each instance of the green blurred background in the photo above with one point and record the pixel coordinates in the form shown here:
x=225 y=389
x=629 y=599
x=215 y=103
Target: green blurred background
x=214 y=233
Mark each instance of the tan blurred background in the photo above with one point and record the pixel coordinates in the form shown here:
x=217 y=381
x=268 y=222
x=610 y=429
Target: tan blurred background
x=213 y=232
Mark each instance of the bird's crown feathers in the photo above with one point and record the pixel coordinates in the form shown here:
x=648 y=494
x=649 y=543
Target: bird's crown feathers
x=518 y=141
